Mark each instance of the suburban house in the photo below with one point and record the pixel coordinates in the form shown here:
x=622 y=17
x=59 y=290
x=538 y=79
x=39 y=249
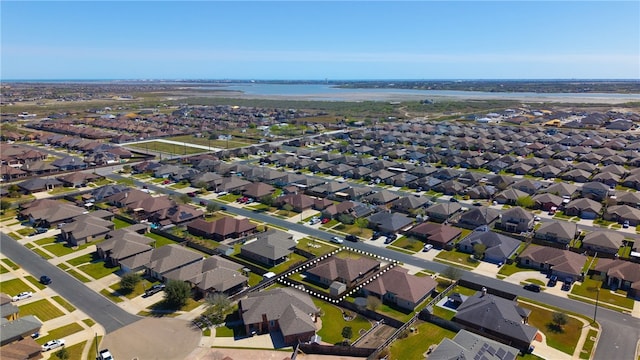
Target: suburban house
x=498 y=248
x=478 y=216
x=442 y=211
x=596 y=190
x=269 y=248
x=398 y=287
x=347 y=271
x=467 y=345
x=498 y=317
x=123 y=245
x=168 y=258
x=622 y=213
x=298 y=202
x=50 y=213
x=509 y=196
x=563 y=263
x=211 y=275
x=584 y=208
x=560 y=189
x=517 y=219
x=603 y=241
x=16 y=341
x=177 y=214
x=39 y=184
x=557 y=231
x=288 y=310
x=258 y=190
x=85 y=228
x=221 y=229
x=125 y=198
x=389 y=223
x=78 y=179
x=382 y=197
x=546 y=201
x=619 y=274
x=440 y=235
x=408 y=204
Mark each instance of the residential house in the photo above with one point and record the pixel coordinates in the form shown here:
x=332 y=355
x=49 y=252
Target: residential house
x=269 y=248
x=382 y=197
x=287 y=310
x=398 y=287
x=211 y=275
x=552 y=261
x=619 y=274
x=177 y=214
x=258 y=190
x=546 y=201
x=78 y=179
x=577 y=175
x=517 y=219
x=85 y=228
x=623 y=213
x=562 y=189
x=122 y=245
x=441 y=212
x=389 y=223
x=15 y=338
x=478 y=216
x=349 y=271
x=498 y=248
x=221 y=229
x=603 y=241
x=298 y=202
x=69 y=163
x=467 y=345
x=584 y=208
x=409 y=204
x=125 y=198
x=168 y=258
x=509 y=196
x=39 y=184
x=501 y=318
x=440 y=235
x=557 y=231
x=50 y=213
x=596 y=190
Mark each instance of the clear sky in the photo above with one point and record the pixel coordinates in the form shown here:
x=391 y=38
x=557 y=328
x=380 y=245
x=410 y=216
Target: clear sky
x=318 y=40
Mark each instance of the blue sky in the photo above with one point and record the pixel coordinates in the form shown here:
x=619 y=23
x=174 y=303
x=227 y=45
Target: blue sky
x=318 y=40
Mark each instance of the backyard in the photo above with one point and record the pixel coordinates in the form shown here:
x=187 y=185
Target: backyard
x=416 y=343
x=333 y=321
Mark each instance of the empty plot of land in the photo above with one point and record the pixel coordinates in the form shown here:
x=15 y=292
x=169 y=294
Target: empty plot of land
x=167 y=148
x=214 y=143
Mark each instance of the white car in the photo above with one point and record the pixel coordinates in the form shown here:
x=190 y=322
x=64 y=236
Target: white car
x=23 y=295
x=337 y=240
x=427 y=247
x=53 y=344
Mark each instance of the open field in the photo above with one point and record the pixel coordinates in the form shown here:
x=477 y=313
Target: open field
x=173 y=149
x=222 y=144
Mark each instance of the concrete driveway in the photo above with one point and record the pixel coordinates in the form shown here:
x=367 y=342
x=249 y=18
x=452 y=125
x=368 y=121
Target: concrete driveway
x=153 y=338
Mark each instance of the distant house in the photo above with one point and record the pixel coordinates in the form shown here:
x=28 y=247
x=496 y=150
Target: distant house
x=211 y=275
x=557 y=231
x=546 y=201
x=168 y=258
x=620 y=274
x=38 y=185
x=501 y=318
x=468 y=345
x=622 y=213
x=517 y=219
x=346 y=271
x=498 y=248
x=389 y=222
x=584 y=208
x=269 y=248
x=441 y=212
x=221 y=229
x=440 y=235
x=399 y=288
x=287 y=310
x=478 y=216
x=84 y=229
x=596 y=190
x=563 y=263
x=122 y=245
x=603 y=241
x=407 y=204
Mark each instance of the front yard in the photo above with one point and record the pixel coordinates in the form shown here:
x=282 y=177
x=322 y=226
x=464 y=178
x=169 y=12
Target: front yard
x=591 y=288
x=564 y=339
x=457 y=257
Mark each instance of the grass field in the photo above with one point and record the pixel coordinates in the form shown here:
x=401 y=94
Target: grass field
x=119 y=224
x=35 y=282
x=60 y=333
x=416 y=343
x=458 y=257
x=75 y=351
x=64 y=303
x=590 y=288
x=11 y=264
x=97 y=270
x=14 y=287
x=42 y=309
x=233 y=143
x=167 y=148
x=160 y=240
x=564 y=340
x=110 y=294
x=78 y=276
x=333 y=322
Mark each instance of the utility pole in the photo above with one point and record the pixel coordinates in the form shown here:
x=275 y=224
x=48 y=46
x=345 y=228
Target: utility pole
x=595 y=312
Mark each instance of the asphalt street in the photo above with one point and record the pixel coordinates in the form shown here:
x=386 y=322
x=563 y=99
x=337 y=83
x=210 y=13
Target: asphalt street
x=96 y=306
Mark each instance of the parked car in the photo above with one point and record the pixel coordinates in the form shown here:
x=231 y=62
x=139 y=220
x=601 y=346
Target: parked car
x=427 y=247
x=553 y=280
x=566 y=285
x=532 y=287
x=337 y=240
x=388 y=240
x=351 y=238
x=45 y=280
x=375 y=235
x=105 y=355
x=453 y=199
x=41 y=230
x=53 y=344
x=191 y=194
x=325 y=220
x=23 y=295
x=154 y=289
x=625 y=224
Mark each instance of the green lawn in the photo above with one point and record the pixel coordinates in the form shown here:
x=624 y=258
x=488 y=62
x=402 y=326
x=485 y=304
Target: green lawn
x=408 y=243
x=229 y=197
x=293 y=259
x=89 y=322
x=315 y=247
x=180 y=185
x=333 y=322
x=92 y=350
x=510 y=269
x=458 y=257
x=35 y=282
x=78 y=276
x=45 y=241
x=3 y=270
x=64 y=303
x=42 y=254
x=590 y=288
x=59 y=249
x=204 y=141
x=25 y=231
x=98 y=270
x=42 y=309
x=137 y=291
x=564 y=340
x=119 y=224
x=81 y=260
x=417 y=342
x=111 y=295
x=589 y=342
x=254 y=279
x=75 y=351
x=160 y=240
x=11 y=264
x=60 y=333
x=14 y=287
x=167 y=148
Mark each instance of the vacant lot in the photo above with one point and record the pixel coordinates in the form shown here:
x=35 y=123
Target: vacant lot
x=167 y=148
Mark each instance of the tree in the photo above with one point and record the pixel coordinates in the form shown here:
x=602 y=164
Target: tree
x=62 y=354
x=478 y=250
x=452 y=273
x=287 y=207
x=347 y=333
x=373 y=303
x=525 y=201
x=559 y=319
x=346 y=219
x=361 y=223
x=267 y=200
x=183 y=199
x=129 y=281
x=218 y=306
x=176 y=293
x=4 y=205
x=212 y=207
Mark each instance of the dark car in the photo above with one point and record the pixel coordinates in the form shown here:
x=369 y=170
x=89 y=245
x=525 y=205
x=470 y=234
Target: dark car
x=453 y=199
x=566 y=285
x=351 y=238
x=154 y=289
x=44 y=279
x=553 y=280
x=532 y=287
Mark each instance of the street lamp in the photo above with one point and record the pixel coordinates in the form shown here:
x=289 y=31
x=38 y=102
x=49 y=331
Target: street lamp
x=595 y=311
